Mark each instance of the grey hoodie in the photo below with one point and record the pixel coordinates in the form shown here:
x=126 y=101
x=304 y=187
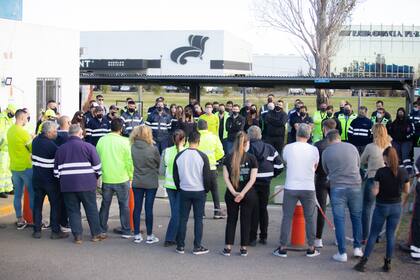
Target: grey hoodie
x=146 y=160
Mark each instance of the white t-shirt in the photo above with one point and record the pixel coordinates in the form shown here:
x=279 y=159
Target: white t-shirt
x=301 y=159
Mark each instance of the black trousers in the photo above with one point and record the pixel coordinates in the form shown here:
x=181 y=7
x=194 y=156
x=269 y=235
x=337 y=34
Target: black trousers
x=53 y=193
x=277 y=142
x=245 y=207
x=260 y=213
x=322 y=189
x=415 y=224
x=214 y=189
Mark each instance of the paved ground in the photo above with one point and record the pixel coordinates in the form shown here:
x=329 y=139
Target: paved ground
x=22 y=257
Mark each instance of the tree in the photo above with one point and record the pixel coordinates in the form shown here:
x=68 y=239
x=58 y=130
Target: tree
x=316 y=24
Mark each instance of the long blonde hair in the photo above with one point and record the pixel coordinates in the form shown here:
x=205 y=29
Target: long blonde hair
x=241 y=139
x=380 y=136
x=142 y=132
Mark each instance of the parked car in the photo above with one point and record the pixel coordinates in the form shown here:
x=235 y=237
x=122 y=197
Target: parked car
x=296 y=91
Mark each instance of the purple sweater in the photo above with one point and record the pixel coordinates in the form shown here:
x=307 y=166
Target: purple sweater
x=77 y=165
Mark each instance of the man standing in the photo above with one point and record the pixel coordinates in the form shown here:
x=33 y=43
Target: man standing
x=331 y=115
x=77 y=166
x=301 y=160
x=264 y=109
x=192 y=179
x=113 y=113
x=44 y=182
x=234 y=124
x=269 y=166
x=380 y=117
x=380 y=105
x=63 y=130
x=359 y=133
x=213 y=148
x=117 y=171
x=101 y=103
x=20 y=148
x=160 y=123
x=6 y=121
x=211 y=119
x=223 y=115
x=275 y=126
x=131 y=118
x=415 y=120
x=299 y=117
x=97 y=127
x=341 y=111
x=341 y=163
x=319 y=117
x=345 y=120
x=322 y=186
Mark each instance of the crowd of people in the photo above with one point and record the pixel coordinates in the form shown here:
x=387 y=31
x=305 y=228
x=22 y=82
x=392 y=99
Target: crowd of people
x=356 y=160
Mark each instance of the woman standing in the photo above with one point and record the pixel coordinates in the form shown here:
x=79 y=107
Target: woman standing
x=188 y=124
x=372 y=157
x=252 y=118
x=146 y=162
x=240 y=172
x=401 y=130
x=167 y=166
x=391 y=182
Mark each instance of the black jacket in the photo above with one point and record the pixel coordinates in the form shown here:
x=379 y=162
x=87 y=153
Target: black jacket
x=234 y=125
x=43 y=154
x=359 y=132
x=401 y=130
x=320 y=175
x=96 y=128
x=269 y=162
x=275 y=123
x=131 y=120
x=160 y=125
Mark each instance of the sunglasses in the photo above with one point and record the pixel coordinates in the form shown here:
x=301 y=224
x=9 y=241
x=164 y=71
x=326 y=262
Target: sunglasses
x=100 y=99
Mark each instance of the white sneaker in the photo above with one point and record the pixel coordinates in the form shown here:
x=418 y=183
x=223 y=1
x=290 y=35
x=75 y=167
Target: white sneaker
x=152 y=239
x=340 y=257
x=358 y=253
x=126 y=236
x=138 y=238
x=318 y=243
x=65 y=229
x=415 y=249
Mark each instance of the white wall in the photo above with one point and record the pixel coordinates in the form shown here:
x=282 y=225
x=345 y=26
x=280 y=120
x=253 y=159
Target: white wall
x=38 y=52
x=279 y=65
x=154 y=44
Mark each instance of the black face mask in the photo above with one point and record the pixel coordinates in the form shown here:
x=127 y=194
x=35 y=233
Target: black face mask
x=346 y=112
x=253 y=111
x=302 y=114
x=342 y=109
x=278 y=108
x=131 y=110
x=160 y=109
x=55 y=110
x=99 y=116
x=10 y=115
x=235 y=113
x=323 y=110
x=113 y=114
x=329 y=114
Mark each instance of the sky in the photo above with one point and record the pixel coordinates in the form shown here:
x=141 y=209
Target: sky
x=236 y=16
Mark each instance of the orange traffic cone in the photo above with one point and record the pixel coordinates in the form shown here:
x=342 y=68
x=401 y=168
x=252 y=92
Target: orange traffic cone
x=131 y=205
x=298 y=227
x=27 y=211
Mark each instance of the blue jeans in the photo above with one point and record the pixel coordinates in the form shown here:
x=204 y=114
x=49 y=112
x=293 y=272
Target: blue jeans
x=139 y=194
x=368 y=202
x=229 y=147
x=19 y=180
x=88 y=199
x=122 y=191
x=225 y=146
x=390 y=213
x=173 y=225
x=53 y=193
x=351 y=197
x=197 y=200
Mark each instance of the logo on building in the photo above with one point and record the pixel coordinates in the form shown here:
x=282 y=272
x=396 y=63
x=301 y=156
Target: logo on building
x=195 y=49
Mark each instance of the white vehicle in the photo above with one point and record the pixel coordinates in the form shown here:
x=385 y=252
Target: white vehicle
x=296 y=91
x=310 y=91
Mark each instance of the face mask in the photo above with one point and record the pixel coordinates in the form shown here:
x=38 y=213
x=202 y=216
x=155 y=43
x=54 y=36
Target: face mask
x=187 y=115
x=378 y=115
x=278 y=108
x=415 y=109
x=323 y=110
x=10 y=115
x=253 y=111
x=131 y=110
x=55 y=110
x=400 y=116
x=329 y=114
x=235 y=113
x=302 y=114
x=113 y=114
x=221 y=111
x=160 y=109
x=346 y=112
x=99 y=116
x=209 y=110
x=341 y=108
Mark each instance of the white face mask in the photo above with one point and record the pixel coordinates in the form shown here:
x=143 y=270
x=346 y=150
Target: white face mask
x=378 y=115
x=209 y=110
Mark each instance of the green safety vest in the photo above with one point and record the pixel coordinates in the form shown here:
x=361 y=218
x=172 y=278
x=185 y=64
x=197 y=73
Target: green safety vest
x=318 y=118
x=226 y=116
x=169 y=160
x=345 y=124
x=5 y=124
x=384 y=120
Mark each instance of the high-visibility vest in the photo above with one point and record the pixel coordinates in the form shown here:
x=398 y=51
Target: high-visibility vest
x=318 y=118
x=169 y=160
x=384 y=120
x=5 y=124
x=210 y=145
x=345 y=124
x=226 y=116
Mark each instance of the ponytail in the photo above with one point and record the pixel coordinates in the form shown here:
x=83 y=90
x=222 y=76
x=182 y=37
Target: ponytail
x=241 y=139
x=178 y=137
x=392 y=160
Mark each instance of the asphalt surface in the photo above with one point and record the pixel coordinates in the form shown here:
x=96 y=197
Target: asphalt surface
x=22 y=257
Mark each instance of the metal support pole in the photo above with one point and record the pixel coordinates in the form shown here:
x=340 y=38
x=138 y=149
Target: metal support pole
x=195 y=92
x=359 y=99
x=409 y=98
x=243 y=95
